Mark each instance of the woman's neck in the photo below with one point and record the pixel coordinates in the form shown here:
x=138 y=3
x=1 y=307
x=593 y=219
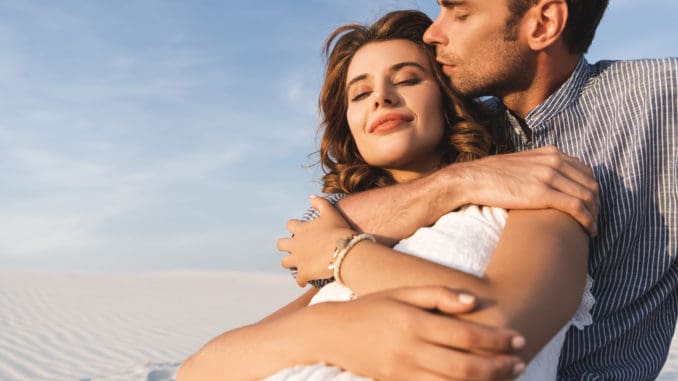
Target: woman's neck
x=413 y=172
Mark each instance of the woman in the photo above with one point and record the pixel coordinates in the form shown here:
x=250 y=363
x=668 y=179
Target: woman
x=389 y=117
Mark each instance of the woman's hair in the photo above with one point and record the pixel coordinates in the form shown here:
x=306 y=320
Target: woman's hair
x=345 y=169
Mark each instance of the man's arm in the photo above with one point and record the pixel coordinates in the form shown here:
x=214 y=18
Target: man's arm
x=537 y=179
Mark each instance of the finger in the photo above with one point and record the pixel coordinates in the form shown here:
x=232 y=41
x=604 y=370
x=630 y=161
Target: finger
x=328 y=211
x=301 y=281
x=572 y=168
x=284 y=244
x=293 y=225
x=467 y=366
x=580 y=173
x=320 y=204
x=573 y=206
x=288 y=262
x=574 y=198
x=586 y=177
x=434 y=298
x=468 y=336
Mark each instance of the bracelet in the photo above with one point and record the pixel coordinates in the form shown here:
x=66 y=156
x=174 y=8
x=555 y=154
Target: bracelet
x=344 y=245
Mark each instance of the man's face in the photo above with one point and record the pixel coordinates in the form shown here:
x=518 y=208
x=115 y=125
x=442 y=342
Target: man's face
x=472 y=43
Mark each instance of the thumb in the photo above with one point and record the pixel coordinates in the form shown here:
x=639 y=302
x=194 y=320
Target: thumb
x=320 y=204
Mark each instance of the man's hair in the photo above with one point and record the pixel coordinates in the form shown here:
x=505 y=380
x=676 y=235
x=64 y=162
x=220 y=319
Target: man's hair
x=582 y=20
x=345 y=169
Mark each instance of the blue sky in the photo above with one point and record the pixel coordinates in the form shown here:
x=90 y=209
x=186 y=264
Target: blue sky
x=155 y=135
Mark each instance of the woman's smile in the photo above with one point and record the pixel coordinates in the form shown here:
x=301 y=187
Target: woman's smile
x=388 y=122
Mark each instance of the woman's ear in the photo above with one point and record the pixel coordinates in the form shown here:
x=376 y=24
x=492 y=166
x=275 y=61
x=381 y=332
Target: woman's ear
x=545 y=23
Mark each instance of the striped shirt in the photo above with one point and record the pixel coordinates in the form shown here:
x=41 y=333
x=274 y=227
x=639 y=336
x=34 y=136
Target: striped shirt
x=620 y=117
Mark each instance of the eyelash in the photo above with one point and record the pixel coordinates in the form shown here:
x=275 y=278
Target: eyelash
x=461 y=15
x=407 y=82
x=359 y=96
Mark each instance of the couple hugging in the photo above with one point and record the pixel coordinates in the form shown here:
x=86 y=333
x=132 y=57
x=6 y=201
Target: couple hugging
x=456 y=241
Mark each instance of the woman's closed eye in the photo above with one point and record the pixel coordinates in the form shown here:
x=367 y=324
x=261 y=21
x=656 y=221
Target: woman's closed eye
x=360 y=94
x=408 y=81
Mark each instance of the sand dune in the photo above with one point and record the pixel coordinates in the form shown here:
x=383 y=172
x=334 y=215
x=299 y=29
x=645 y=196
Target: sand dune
x=122 y=327
x=132 y=327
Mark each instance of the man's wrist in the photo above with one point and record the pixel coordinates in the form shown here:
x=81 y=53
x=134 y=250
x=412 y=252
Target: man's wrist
x=449 y=187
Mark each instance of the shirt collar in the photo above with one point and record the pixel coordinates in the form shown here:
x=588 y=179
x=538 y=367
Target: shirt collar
x=562 y=98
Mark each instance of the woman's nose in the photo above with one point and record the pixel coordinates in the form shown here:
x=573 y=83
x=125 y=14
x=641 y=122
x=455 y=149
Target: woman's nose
x=384 y=97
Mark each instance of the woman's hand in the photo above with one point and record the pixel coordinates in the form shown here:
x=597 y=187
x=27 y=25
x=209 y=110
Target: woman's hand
x=312 y=243
x=412 y=333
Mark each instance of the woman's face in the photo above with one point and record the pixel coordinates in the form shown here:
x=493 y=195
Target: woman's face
x=395 y=108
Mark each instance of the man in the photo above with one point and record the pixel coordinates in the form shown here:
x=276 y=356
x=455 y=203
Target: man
x=618 y=117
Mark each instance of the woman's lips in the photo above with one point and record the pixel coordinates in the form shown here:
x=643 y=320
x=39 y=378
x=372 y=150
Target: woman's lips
x=388 y=122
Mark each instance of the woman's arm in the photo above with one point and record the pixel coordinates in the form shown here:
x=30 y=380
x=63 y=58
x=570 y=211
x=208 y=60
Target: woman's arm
x=541 y=258
x=389 y=335
x=538 y=272
x=239 y=353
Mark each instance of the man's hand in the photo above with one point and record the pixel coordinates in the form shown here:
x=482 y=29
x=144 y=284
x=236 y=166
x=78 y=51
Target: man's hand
x=537 y=179
x=312 y=243
x=410 y=334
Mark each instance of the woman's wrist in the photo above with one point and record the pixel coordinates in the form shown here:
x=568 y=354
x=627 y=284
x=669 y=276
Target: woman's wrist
x=343 y=248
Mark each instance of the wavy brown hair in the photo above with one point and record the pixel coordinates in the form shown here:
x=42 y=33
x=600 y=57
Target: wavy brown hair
x=345 y=169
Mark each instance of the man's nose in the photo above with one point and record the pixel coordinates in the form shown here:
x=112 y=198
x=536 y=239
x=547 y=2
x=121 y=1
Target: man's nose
x=433 y=35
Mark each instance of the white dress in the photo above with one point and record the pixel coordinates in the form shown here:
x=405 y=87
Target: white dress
x=464 y=240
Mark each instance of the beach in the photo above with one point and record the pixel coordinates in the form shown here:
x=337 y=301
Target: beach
x=92 y=326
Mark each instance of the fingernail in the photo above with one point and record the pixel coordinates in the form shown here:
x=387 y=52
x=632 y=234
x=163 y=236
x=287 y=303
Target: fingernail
x=518 y=368
x=313 y=196
x=466 y=299
x=517 y=342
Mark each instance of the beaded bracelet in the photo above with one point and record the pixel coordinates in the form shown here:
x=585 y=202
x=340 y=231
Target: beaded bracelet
x=344 y=245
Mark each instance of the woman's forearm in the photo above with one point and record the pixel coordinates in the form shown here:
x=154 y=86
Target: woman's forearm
x=256 y=351
x=533 y=287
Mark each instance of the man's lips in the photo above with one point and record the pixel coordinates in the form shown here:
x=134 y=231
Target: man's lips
x=445 y=65
x=388 y=121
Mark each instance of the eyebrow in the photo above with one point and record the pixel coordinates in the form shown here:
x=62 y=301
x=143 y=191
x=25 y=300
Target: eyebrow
x=451 y=3
x=397 y=67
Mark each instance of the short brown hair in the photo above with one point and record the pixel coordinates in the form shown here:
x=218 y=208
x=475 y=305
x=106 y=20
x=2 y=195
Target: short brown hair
x=582 y=21
x=345 y=169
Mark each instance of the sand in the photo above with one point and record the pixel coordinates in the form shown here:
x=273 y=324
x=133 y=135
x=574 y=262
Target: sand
x=123 y=327
x=63 y=326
